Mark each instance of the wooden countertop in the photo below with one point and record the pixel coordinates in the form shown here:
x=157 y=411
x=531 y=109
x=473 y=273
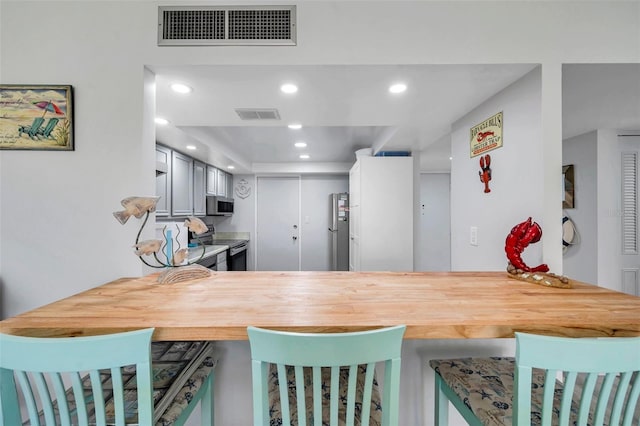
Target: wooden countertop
x=431 y=305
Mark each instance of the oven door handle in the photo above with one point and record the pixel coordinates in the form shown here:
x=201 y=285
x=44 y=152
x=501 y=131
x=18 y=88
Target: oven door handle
x=235 y=250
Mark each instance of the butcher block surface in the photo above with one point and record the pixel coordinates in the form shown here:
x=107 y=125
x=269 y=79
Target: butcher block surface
x=431 y=305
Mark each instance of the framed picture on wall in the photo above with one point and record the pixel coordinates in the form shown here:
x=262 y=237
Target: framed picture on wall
x=568 y=187
x=36 y=117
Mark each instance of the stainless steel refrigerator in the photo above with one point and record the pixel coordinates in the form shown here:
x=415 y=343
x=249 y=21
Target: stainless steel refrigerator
x=339 y=231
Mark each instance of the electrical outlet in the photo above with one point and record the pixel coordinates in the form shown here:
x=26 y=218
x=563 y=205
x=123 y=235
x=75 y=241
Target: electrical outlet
x=473 y=236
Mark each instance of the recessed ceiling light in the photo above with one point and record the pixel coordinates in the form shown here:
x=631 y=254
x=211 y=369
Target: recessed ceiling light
x=450 y=158
x=181 y=88
x=300 y=144
x=161 y=121
x=289 y=88
x=397 y=88
x=191 y=147
x=295 y=126
x=304 y=156
x=231 y=167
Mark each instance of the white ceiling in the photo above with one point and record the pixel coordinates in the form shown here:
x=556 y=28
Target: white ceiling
x=345 y=108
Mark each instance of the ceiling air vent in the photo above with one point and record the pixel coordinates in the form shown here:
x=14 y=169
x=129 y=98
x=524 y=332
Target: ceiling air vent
x=226 y=25
x=258 y=114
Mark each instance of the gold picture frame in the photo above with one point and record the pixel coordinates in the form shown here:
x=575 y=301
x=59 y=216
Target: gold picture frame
x=36 y=117
x=568 y=186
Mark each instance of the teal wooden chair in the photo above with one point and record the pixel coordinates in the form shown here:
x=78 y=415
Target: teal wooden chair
x=32 y=130
x=97 y=380
x=551 y=381
x=319 y=379
x=45 y=131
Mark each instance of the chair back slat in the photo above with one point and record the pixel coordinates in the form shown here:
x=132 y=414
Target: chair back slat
x=351 y=395
x=329 y=371
x=66 y=387
x=547 y=396
x=98 y=397
x=335 y=394
x=45 y=398
x=300 y=396
x=118 y=395
x=632 y=401
x=283 y=387
x=29 y=397
x=61 y=398
x=79 y=398
x=586 y=397
x=317 y=395
x=602 y=398
x=391 y=394
x=367 y=394
x=566 y=403
x=620 y=397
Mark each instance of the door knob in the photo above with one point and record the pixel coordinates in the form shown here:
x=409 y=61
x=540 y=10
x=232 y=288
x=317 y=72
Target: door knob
x=294 y=238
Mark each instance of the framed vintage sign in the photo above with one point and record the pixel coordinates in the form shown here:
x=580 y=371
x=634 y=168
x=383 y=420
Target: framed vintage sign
x=36 y=117
x=486 y=136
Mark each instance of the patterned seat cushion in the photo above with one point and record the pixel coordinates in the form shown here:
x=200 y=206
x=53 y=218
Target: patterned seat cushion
x=274 y=397
x=485 y=386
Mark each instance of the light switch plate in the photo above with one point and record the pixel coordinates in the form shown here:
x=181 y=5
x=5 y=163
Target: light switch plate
x=473 y=236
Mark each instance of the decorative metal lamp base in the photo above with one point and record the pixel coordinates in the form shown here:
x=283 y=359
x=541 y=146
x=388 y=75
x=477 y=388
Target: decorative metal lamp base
x=191 y=272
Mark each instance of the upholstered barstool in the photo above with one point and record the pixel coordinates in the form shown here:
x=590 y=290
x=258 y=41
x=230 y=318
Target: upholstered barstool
x=552 y=380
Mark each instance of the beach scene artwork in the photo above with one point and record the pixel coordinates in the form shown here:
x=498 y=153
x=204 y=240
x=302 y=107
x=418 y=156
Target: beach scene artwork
x=36 y=117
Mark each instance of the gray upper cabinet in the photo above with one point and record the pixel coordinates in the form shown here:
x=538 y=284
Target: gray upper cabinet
x=229 y=185
x=181 y=185
x=184 y=188
x=212 y=174
x=163 y=182
x=199 y=189
x=221 y=183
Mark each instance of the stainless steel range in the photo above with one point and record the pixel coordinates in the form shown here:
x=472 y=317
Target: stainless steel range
x=236 y=259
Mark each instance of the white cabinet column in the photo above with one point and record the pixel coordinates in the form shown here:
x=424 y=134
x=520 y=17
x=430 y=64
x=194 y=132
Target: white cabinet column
x=381 y=212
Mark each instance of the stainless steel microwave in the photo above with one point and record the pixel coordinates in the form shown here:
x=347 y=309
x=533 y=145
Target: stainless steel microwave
x=219 y=206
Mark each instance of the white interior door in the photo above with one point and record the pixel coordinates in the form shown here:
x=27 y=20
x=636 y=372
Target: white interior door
x=278 y=224
x=435 y=223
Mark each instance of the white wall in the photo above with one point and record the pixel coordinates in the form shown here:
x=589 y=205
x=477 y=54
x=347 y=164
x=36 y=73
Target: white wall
x=608 y=210
x=434 y=243
x=316 y=219
x=100 y=47
x=580 y=261
x=516 y=186
x=57 y=233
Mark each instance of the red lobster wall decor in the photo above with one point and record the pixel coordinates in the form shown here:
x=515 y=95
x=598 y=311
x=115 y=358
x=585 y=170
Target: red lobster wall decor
x=485 y=174
x=521 y=235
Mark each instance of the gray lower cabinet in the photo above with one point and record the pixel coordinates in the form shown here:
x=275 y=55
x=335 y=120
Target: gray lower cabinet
x=181 y=185
x=163 y=182
x=199 y=189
